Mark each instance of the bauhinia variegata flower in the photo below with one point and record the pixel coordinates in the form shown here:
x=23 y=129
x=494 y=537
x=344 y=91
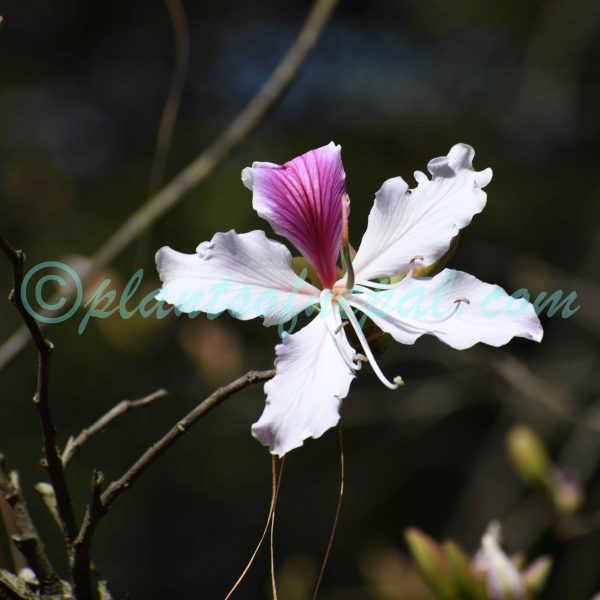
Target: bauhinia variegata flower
x=305 y=201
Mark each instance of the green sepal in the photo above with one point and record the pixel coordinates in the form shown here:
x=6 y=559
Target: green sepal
x=431 y=561
x=468 y=585
x=536 y=575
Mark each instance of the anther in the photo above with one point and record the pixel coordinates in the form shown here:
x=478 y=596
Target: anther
x=457 y=302
x=341 y=326
x=391 y=286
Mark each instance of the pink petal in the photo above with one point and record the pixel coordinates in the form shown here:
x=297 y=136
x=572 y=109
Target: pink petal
x=302 y=200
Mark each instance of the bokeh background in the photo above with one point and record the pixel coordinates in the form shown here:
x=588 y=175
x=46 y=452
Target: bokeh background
x=396 y=83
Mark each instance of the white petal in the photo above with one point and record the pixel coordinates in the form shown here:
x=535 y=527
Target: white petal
x=417 y=306
x=246 y=274
x=304 y=397
x=502 y=577
x=404 y=223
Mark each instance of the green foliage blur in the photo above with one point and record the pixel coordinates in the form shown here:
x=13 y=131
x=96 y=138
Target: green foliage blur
x=396 y=83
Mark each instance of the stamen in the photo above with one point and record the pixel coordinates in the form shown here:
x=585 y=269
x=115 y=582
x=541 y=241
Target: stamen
x=336 y=327
x=397 y=382
x=391 y=286
x=340 y=326
x=362 y=288
x=457 y=303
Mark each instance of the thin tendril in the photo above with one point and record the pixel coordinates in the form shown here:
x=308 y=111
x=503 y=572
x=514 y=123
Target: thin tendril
x=275 y=485
x=272 y=553
x=337 y=515
x=455 y=309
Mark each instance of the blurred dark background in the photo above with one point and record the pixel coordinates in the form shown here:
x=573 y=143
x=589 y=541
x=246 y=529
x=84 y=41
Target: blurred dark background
x=396 y=83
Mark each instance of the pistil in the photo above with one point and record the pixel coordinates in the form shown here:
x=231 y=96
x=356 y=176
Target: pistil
x=345 y=248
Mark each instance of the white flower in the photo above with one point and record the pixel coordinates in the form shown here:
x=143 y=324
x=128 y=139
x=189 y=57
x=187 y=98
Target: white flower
x=305 y=201
x=503 y=580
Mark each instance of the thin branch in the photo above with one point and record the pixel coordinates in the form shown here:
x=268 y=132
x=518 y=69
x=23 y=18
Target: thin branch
x=101 y=503
x=46 y=491
x=181 y=33
x=82 y=563
x=75 y=444
x=14 y=588
x=10 y=526
x=52 y=460
x=116 y=488
x=521 y=378
x=197 y=171
x=26 y=537
x=30 y=547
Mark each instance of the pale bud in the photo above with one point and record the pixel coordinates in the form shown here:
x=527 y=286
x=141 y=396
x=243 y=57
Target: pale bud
x=528 y=453
x=536 y=575
x=504 y=582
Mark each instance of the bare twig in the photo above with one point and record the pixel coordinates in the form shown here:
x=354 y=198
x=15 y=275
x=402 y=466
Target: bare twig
x=82 y=563
x=46 y=491
x=74 y=444
x=522 y=379
x=30 y=546
x=101 y=503
x=52 y=460
x=10 y=526
x=14 y=588
x=197 y=171
x=116 y=488
x=173 y=101
x=26 y=537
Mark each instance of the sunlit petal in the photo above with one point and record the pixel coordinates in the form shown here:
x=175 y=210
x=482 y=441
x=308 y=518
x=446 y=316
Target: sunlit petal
x=420 y=306
x=304 y=397
x=421 y=222
x=246 y=274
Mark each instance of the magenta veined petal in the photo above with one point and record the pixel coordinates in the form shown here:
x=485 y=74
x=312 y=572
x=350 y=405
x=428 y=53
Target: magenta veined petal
x=302 y=200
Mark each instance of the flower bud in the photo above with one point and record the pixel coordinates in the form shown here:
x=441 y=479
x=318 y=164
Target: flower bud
x=466 y=582
x=567 y=491
x=536 y=575
x=503 y=580
x=528 y=454
x=430 y=560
